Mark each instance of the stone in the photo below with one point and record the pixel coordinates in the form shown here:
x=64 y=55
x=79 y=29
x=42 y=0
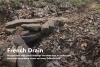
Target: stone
x=5 y=45
x=63 y=20
x=24 y=62
x=9 y=62
x=55 y=43
x=83 y=58
x=9 y=31
x=32 y=37
x=66 y=51
x=51 y=25
x=18 y=22
x=1 y=42
x=19 y=30
x=45 y=28
x=26 y=32
x=72 y=53
x=84 y=45
x=56 y=63
x=34 y=27
x=18 y=41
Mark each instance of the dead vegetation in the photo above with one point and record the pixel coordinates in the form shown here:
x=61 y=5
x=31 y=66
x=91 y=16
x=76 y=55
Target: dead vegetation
x=64 y=29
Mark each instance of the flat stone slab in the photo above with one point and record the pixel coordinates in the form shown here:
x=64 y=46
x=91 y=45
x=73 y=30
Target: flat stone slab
x=18 y=41
x=35 y=27
x=32 y=37
x=19 y=22
x=9 y=31
x=26 y=32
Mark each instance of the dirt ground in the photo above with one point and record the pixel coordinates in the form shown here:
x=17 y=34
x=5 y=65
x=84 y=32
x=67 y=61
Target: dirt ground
x=78 y=38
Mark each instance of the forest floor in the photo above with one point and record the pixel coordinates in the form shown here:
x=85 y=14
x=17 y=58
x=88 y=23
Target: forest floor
x=78 y=38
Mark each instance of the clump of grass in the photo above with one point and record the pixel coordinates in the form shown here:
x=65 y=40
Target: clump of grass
x=40 y=1
x=96 y=31
x=96 y=7
x=64 y=32
x=15 y=1
x=82 y=2
x=56 y=2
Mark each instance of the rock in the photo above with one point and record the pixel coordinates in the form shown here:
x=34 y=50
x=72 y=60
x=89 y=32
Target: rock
x=89 y=62
x=35 y=27
x=24 y=62
x=45 y=28
x=18 y=41
x=9 y=31
x=55 y=43
x=56 y=63
x=5 y=45
x=50 y=64
x=51 y=25
x=26 y=32
x=31 y=37
x=83 y=58
x=53 y=52
x=19 y=22
x=19 y=30
x=66 y=51
x=72 y=53
x=63 y=20
x=83 y=46
x=9 y=62
x=1 y=42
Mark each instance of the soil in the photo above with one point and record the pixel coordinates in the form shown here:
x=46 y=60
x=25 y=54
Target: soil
x=78 y=38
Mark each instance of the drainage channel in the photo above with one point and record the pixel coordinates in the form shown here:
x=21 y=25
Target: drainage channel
x=29 y=39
